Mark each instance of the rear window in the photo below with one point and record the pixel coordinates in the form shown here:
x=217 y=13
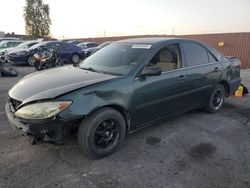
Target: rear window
x=211 y=58
x=194 y=54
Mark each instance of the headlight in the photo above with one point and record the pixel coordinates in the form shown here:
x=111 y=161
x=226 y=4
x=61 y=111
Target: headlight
x=42 y=110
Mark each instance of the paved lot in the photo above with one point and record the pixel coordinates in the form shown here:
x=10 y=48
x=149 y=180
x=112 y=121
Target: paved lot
x=194 y=150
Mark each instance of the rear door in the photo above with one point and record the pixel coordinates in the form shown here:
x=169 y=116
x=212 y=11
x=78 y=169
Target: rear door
x=60 y=48
x=157 y=96
x=204 y=71
x=66 y=51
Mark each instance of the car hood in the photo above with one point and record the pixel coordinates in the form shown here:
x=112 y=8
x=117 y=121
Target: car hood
x=15 y=51
x=54 y=82
x=6 y=49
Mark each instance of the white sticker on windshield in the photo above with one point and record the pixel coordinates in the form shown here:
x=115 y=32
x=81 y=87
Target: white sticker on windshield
x=142 y=46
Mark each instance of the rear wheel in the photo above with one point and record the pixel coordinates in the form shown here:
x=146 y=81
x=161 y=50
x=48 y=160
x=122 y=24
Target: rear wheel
x=102 y=133
x=88 y=54
x=75 y=58
x=8 y=71
x=216 y=99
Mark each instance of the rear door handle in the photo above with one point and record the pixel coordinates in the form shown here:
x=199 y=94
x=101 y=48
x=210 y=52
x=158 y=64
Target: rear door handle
x=182 y=77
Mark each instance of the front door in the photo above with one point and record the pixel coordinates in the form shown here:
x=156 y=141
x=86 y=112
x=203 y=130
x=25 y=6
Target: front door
x=157 y=96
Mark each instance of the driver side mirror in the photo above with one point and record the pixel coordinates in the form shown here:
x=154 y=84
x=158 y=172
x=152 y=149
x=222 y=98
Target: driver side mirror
x=151 y=71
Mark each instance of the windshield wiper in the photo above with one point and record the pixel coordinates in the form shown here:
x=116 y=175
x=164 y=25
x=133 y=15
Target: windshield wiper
x=92 y=69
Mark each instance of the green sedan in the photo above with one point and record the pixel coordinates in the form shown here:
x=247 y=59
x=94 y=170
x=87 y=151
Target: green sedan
x=121 y=88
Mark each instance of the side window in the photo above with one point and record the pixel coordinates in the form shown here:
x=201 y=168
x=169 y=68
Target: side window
x=50 y=45
x=55 y=46
x=167 y=58
x=211 y=58
x=12 y=44
x=94 y=45
x=64 y=46
x=195 y=54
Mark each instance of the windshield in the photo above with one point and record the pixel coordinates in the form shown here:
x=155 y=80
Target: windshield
x=117 y=59
x=82 y=44
x=23 y=45
x=37 y=45
x=3 y=44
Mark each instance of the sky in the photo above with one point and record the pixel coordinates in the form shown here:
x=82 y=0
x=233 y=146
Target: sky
x=98 y=18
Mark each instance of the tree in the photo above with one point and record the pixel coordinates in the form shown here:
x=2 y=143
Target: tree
x=37 y=20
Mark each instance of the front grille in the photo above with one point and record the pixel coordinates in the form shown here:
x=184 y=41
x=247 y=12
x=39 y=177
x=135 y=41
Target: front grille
x=14 y=104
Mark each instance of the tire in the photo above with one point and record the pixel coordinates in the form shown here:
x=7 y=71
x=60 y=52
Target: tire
x=9 y=71
x=102 y=133
x=31 y=61
x=43 y=67
x=216 y=99
x=75 y=58
x=88 y=54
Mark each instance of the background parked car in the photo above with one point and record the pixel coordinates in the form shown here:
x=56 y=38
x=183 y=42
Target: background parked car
x=67 y=52
x=100 y=46
x=8 y=38
x=86 y=46
x=9 y=43
x=75 y=42
x=24 y=45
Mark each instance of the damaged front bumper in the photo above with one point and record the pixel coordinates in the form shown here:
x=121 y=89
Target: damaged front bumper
x=35 y=130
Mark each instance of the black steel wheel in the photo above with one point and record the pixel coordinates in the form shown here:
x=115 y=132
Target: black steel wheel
x=106 y=134
x=216 y=99
x=102 y=133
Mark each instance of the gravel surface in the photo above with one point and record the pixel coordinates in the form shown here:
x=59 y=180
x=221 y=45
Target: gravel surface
x=193 y=150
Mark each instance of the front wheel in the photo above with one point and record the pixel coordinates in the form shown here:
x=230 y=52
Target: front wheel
x=102 y=133
x=8 y=71
x=31 y=61
x=216 y=99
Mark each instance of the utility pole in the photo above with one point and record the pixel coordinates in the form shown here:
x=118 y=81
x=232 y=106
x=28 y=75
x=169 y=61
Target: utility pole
x=173 y=31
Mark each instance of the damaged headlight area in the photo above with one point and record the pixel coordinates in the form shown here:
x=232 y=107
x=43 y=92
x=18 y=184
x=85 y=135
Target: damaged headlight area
x=42 y=110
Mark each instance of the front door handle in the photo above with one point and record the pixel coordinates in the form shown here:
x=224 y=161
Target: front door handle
x=216 y=69
x=182 y=77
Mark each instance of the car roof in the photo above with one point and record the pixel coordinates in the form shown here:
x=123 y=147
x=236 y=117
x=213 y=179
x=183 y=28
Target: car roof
x=153 y=40
x=31 y=41
x=85 y=43
x=9 y=38
x=60 y=42
x=14 y=41
x=11 y=41
x=158 y=40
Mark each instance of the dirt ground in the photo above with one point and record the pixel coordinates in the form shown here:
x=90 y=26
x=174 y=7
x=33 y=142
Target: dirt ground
x=193 y=150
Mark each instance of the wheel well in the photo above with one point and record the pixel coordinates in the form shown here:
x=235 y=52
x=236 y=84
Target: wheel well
x=226 y=86
x=75 y=53
x=124 y=113
x=121 y=110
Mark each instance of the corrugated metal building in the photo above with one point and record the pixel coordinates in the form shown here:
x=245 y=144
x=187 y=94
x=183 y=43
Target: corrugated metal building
x=230 y=44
